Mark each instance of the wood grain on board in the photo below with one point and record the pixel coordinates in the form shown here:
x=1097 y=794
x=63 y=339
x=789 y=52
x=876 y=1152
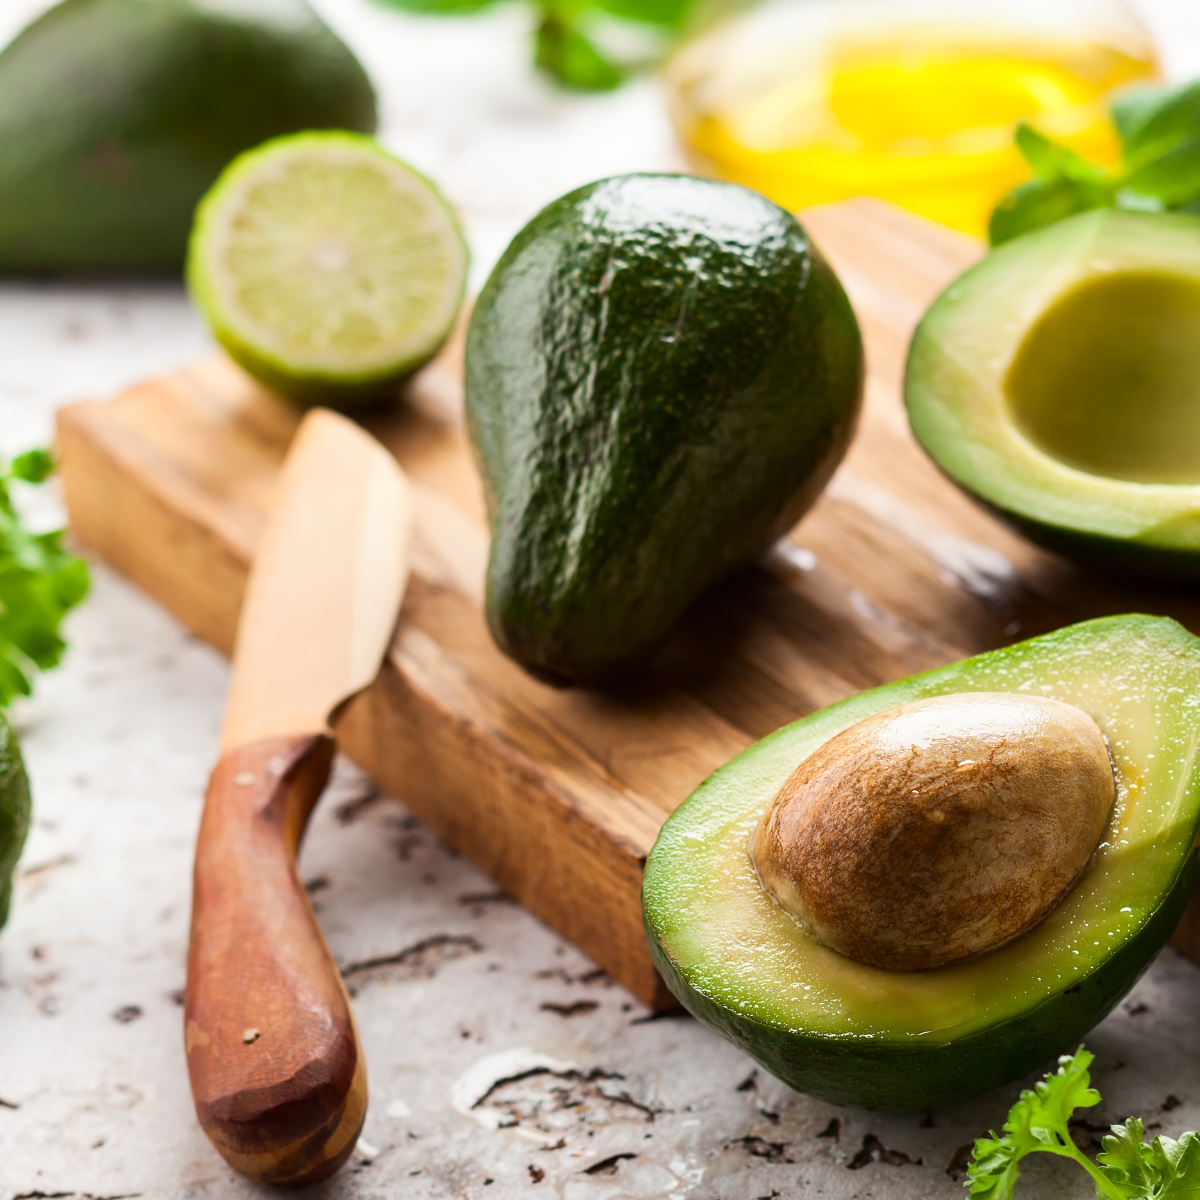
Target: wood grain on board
x=558 y=795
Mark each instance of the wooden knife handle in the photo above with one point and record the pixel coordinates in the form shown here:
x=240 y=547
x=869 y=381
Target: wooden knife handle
x=277 y=1076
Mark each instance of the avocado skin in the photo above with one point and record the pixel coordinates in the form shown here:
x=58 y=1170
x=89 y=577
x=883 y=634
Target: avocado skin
x=902 y=1079
x=14 y=811
x=1116 y=557
x=661 y=375
x=117 y=115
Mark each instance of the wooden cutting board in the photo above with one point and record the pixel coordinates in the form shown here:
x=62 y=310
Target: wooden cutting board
x=558 y=795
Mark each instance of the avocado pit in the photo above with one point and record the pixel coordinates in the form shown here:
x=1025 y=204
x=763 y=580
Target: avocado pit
x=939 y=830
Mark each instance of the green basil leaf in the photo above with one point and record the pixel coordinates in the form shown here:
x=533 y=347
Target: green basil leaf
x=1138 y=201
x=33 y=466
x=1132 y=107
x=1039 y=203
x=439 y=7
x=668 y=13
x=1160 y=132
x=1174 y=176
x=1052 y=161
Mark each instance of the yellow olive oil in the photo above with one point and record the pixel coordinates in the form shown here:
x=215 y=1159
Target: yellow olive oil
x=918 y=113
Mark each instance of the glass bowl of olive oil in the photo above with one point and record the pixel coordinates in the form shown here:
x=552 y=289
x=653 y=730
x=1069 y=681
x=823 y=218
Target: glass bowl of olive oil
x=910 y=100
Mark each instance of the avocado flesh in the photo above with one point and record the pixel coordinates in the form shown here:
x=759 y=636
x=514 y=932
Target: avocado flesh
x=1058 y=381
x=1108 y=379
x=661 y=375
x=117 y=115
x=853 y=1034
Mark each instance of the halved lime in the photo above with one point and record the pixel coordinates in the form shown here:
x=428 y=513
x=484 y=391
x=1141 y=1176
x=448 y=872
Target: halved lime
x=329 y=269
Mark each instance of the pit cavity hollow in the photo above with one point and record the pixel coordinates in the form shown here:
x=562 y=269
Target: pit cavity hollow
x=1107 y=380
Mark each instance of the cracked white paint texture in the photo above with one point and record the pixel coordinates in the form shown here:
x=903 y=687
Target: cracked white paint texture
x=593 y=1100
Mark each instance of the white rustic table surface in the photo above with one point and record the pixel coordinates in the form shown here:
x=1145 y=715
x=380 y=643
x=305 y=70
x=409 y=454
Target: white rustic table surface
x=475 y=1016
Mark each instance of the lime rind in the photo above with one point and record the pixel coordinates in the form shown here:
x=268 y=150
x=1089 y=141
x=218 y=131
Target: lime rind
x=328 y=268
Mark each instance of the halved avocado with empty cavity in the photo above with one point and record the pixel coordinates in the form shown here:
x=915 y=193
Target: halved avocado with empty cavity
x=904 y=1040
x=1059 y=382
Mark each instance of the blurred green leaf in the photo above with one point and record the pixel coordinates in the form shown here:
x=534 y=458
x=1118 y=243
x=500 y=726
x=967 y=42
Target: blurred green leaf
x=40 y=581
x=1039 y=203
x=1051 y=161
x=1138 y=202
x=668 y=13
x=563 y=45
x=1174 y=177
x=564 y=51
x=1160 y=134
x=1065 y=184
x=440 y=7
x=1153 y=121
x=1159 y=128
x=33 y=466
x=1132 y=107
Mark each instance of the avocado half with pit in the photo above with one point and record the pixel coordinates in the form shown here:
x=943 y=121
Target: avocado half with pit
x=907 y=1040
x=1058 y=381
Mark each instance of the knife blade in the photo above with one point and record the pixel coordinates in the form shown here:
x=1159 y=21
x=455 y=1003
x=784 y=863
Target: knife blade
x=276 y=1071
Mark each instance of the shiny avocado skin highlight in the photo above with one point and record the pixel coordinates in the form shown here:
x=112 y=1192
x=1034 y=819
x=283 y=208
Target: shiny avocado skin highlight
x=661 y=375
x=117 y=115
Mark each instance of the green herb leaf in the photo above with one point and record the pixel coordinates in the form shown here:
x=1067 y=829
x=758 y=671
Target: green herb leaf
x=1178 y=1165
x=562 y=46
x=564 y=51
x=1038 y=1122
x=1039 y=203
x=1132 y=107
x=435 y=8
x=1159 y=129
x=1164 y=1170
x=1174 y=178
x=668 y=13
x=33 y=466
x=39 y=583
x=1065 y=184
x=1160 y=134
x=1137 y=202
x=1153 y=121
x=1051 y=161
x=1127 y=1162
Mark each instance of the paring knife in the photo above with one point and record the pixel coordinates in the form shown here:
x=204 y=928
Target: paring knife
x=276 y=1070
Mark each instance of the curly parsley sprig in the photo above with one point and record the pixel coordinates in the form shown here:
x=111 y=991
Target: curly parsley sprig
x=1126 y=1168
x=40 y=581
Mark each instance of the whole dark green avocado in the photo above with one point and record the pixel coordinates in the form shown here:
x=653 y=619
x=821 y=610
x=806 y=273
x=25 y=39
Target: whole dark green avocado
x=117 y=115
x=662 y=373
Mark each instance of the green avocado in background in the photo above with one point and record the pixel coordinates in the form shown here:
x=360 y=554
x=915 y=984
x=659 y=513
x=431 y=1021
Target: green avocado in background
x=117 y=115
x=661 y=375
x=14 y=811
x=909 y=1040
